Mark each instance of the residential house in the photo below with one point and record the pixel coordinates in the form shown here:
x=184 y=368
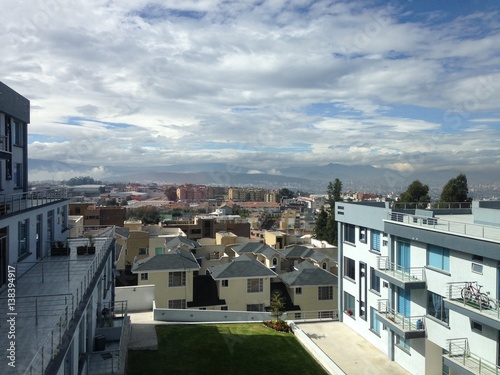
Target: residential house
x=172 y=274
x=262 y=252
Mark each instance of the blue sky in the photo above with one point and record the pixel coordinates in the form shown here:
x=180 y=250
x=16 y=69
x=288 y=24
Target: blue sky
x=406 y=85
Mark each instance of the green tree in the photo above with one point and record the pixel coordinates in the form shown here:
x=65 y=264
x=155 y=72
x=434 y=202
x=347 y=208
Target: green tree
x=416 y=193
x=329 y=232
x=321 y=224
x=284 y=193
x=277 y=305
x=455 y=190
x=147 y=214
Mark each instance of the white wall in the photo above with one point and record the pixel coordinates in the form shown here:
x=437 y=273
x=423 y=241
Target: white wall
x=139 y=298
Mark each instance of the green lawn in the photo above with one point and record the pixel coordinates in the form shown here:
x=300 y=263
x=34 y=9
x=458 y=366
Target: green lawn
x=223 y=349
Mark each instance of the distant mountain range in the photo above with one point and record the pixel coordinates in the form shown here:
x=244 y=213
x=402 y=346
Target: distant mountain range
x=312 y=179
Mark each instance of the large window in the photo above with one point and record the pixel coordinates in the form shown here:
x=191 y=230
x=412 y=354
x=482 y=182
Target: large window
x=18 y=174
x=349 y=304
x=255 y=307
x=349 y=233
x=349 y=268
x=438 y=257
x=255 y=285
x=22 y=236
x=374 y=322
x=177 y=278
x=144 y=276
x=177 y=304
x=435 y=307
x=374 y=281
x=402 y=343
x=375 y=245
x=325 y=292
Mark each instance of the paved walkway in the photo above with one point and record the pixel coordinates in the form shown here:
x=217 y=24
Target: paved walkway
x=346 y=348
x=352 y=353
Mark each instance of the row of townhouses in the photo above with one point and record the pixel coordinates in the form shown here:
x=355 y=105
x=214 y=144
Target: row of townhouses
x=58 y=314
x=423 y=285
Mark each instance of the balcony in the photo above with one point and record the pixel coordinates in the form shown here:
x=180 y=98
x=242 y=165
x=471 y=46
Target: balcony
x=477 y=306
x=412 y=327
x=452 y=227
x=412 y=278
x=459 y=358
x=13 y=203
x=50 y=295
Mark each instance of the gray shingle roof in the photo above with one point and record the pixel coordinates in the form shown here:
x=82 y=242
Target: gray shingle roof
x=255 y=248
x=175 y=260
x=176 y=241
x=124 y=232
x=243 y=266
x=308 y=274
x=297 y=252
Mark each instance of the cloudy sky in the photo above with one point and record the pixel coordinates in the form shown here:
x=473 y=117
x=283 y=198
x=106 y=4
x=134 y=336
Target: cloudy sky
x=265 y=84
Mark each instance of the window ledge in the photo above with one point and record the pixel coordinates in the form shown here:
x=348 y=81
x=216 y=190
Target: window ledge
x=436 y=320
x=407 y=351
x=349 y=279
x=375 y=292
x=375 y=332
x=447 y=273
x=377 y=252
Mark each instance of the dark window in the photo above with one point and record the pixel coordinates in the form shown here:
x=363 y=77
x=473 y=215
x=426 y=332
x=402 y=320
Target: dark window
x=325 y=292
x=349 y=233
x=362 y=234
x=435 y=307
x=225 y=283
x=255 y=285
x=374 y=281
x=349 y=268
x=177 y=278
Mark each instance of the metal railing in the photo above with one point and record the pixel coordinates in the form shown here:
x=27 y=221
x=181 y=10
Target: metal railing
x=431 y=205
x=4 y=143
x=469 y=229
x=313 y=315
x=406 y=323
x=461 y=292
x=12 y=203
x=407 y=274
x=459 y=352
x=48 y=349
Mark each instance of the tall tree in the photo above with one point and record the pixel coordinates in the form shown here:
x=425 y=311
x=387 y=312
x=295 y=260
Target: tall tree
x=321 y=224
x=329 y=232
x=455 y=190
x=416 y=193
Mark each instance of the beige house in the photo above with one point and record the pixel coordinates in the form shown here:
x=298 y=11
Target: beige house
x=172 y=275
x=297 y=254
x=244 y=284
x=312 y=289
x=134 y=243
x=262 y=252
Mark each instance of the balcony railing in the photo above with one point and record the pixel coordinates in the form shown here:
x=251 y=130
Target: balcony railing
x=4 y=143
x=13 y=203
x=430 y=206
x=404 y=274
x=458 y=352
x=313 y=315
x=468 y=229
x=413 y=326
x=468 y=294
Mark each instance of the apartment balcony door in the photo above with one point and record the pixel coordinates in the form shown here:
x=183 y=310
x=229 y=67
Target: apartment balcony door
x=4 y=256
x=403 y=256
x=404 y=299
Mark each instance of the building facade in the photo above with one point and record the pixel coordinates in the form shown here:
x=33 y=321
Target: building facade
x=423 y=285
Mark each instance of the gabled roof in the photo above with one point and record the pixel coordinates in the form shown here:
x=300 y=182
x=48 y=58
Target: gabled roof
x=178 y=241
x=240 y=267
x=124 y=232
x=177 y=260
x=304 y=252
x=255 y=248
x=308 y=274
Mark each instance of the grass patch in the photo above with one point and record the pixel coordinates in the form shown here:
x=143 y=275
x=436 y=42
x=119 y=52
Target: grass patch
x=223 y=349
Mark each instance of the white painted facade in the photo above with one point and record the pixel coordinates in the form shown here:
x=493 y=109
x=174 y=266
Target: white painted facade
x=431 y=261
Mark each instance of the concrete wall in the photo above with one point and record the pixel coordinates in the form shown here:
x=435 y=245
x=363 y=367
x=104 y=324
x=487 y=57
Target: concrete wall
x=139 y=298
x=174 y=315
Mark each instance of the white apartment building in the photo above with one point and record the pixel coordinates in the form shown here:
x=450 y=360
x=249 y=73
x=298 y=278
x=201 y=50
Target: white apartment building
x=423 y=285
x=52 y=295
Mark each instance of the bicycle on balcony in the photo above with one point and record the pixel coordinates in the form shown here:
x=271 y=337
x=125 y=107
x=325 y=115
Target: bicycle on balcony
x=471 y=292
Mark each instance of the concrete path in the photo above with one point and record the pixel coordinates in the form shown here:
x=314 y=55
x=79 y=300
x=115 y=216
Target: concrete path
x=143 y=335
x=353 y=354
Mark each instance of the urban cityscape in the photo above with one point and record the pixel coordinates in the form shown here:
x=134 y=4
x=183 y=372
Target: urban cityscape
x=272 y=187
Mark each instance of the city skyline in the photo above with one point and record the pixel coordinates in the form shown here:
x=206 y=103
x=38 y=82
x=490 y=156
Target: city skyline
x=267 y=85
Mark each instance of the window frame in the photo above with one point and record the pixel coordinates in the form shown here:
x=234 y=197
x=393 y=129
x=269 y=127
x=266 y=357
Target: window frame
x=172 y=304
x=349 y=268
x=430 y=310
x=350 y=233
x=176 y=279
x=253 y=288
x=224 y=283
x=374 y=281
x=438 y=258
x=375 y=244
x=298 y=290
x=325 y=290
x=23 y=227
x=144 y=276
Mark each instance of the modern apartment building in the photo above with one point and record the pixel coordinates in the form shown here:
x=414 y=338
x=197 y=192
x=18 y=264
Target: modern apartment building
x=51 y=294
x=423 y=285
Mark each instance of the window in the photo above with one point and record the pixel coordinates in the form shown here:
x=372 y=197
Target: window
x=18 y=174
x=255 y=307
x=223 y=308
x=402 y=343
x=275 y=262
x=349 y=233
x=143 y=251
x=362 y=234
x=324 y=265
x=435 y=307
x=159 y=250
x=17 y=133
x=325 y=292
x=374 y=281
x=22 y=236
x=349 y=268
x=177 y=304
x=298 y=290
x=477 y=268
x=177 y=278
x=349 y=304
x=438 y=257
x=144 y=276
x=225 y=283
x=375 y=245
x=476 y=326
x=255 y=285
x=374 y=322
